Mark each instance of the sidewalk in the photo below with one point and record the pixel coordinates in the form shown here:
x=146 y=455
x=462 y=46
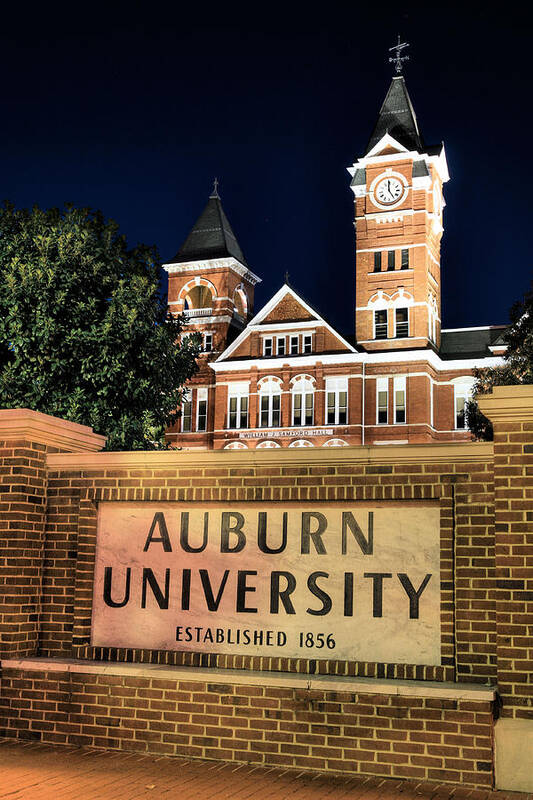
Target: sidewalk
x=41 y=772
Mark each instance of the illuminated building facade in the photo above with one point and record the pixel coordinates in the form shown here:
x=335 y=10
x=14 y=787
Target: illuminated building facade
x=282 y=376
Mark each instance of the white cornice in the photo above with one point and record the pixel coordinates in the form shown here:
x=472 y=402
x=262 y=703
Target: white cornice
x=373 y=157
x=389 y=357
x=211 y=265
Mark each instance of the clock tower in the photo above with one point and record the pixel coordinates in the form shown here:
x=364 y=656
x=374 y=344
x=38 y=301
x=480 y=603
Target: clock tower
x=397 y=185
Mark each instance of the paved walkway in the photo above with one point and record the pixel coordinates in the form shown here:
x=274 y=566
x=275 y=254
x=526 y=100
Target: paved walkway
x=41 y=772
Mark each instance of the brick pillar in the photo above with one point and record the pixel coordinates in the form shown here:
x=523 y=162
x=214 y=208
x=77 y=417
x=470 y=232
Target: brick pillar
x=25 y=439
x=510 y=409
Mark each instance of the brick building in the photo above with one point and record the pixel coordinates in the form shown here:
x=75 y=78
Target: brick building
x=283 y=377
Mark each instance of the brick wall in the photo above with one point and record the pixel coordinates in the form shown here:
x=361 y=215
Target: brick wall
x=423 y=738
x=486 y=591
x=342 y=475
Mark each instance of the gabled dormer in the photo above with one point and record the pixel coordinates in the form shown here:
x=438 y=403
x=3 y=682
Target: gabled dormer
x=397 y=184
x=209 y=280
x=287 y=328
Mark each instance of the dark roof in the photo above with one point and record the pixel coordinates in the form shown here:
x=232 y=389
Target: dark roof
x=210 y=237
x=359 y=178
x=420 y=169
x=470 y=342
x=397 y=118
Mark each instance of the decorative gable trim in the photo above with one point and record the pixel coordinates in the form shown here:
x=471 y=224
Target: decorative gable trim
x=255 y=322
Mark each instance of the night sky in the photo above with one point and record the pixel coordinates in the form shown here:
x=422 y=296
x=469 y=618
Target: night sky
x=134 y=110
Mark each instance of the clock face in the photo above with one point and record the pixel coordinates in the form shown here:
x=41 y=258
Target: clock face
x=389 y=190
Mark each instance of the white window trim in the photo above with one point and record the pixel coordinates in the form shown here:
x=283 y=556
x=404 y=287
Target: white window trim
x=296 y=382
x=399 y=385
x=284 y=340
x=462 y=388
x=238 y=391
x=291 y=338
x=201 y=396
x=382 y=385
x=337 y=385
x=398 y=308
x=270 y=393
x=265 y=340
x=187 y=398
x=304 y=337
x=374 y=323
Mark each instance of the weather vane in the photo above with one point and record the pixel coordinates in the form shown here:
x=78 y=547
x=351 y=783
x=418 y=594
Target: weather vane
x=286 y=276
x=398 y=59
x=214 y=193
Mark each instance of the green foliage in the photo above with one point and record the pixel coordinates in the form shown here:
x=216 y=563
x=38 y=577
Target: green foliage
x=84 y=332
x=518 y=366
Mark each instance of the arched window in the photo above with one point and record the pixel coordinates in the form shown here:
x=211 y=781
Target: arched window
x=301 y=443
x=269 y=402
x=240 y=301
x=199 y=297
x=236 y=446
x=267 y=445
x=303 y=392
x=335 y=443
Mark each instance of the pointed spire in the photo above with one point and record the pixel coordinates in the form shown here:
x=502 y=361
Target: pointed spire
x=211 y=236
x=397 y=118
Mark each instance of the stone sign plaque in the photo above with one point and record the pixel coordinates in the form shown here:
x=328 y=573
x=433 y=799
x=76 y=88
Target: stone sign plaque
x=347 y=581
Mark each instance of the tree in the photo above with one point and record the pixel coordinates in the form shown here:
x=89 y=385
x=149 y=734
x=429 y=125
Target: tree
x=84 y=332
x=517 y=367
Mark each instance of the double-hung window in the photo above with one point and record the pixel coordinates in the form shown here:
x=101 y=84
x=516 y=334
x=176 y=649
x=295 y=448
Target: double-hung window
x=391 y=260
x=186 y=413
x=267 y=346
x=405 y=259
x=238 y=405
x=295 y=345
x=270 y=403
x=402 y=322
x=201 y=410
x=336 y=401
x=308 y=343
x=208 y=342
x=462 y=394
x=302 y=401
x=280 y=345
x=399 y=399
x=377 y=261
x=382 y=401
x=381 y=324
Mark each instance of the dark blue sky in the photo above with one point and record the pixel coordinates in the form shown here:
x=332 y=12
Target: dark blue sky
x=134 y=110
